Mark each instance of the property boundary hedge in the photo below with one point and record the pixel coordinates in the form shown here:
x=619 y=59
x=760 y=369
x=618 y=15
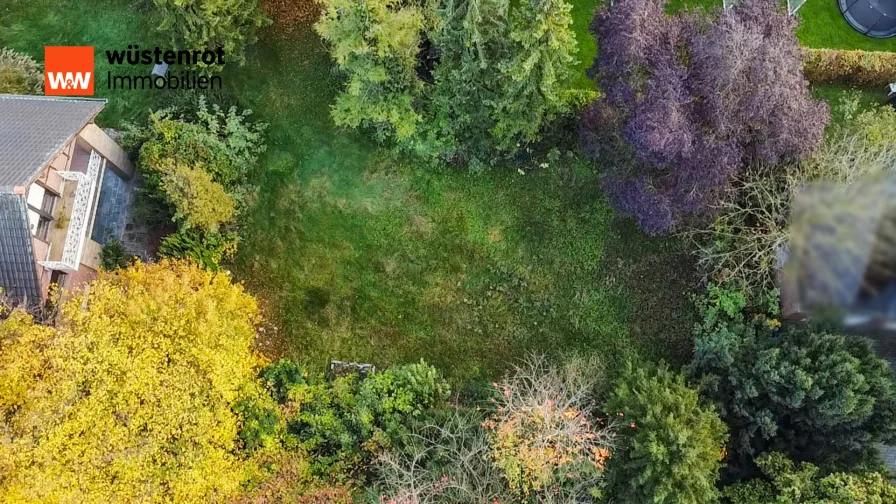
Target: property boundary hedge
x=860 y=68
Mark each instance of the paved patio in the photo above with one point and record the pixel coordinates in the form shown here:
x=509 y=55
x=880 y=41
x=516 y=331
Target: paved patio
x=114 y=216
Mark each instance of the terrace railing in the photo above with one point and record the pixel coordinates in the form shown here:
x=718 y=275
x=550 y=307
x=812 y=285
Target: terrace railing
x=80 y=215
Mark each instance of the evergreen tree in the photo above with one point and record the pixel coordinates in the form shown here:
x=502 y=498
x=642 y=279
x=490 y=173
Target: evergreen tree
x=376 y=44
x=815 y=396
x=536 y=72
x=472 y=42
x=499 y=73
x=674 y=446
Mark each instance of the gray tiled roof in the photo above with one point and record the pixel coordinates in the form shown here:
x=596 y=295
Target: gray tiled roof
x=18 y=274
x=33 y=129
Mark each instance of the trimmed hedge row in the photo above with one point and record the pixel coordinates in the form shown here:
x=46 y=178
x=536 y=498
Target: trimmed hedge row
x=860 y=68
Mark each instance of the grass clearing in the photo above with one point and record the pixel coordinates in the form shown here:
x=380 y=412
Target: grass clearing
x=823 y=26
x=356 y=255
x=362 y=256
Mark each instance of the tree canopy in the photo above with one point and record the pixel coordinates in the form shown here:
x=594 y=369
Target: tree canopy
x=695 y=101
x=129 y=398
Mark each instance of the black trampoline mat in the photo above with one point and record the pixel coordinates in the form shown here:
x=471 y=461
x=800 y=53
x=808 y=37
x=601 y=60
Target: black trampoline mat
x=875 y=18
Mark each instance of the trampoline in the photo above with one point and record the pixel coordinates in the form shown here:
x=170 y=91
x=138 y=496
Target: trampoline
x=874 y=18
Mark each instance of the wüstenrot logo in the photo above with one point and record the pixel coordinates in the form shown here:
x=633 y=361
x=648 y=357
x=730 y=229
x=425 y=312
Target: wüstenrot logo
x=68 y=70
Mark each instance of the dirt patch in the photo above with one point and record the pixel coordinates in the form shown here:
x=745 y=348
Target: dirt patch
x=289 y=16
x=419 y=226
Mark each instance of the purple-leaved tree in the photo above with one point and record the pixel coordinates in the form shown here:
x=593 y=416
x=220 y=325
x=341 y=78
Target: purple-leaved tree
x=695 y=101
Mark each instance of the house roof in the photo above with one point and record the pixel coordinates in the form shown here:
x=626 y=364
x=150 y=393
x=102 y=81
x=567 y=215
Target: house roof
x=34 y=129
x=18 y=275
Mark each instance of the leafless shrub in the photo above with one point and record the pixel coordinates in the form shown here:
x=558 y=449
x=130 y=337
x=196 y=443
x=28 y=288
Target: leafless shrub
x=543 y=443
x=447 y=463
x=545 y=433
x=753 y=232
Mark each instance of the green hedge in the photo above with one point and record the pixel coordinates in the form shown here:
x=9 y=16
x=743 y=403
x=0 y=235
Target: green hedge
x=860 y=68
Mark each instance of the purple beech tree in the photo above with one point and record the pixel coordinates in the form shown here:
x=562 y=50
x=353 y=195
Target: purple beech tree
x=696 y=100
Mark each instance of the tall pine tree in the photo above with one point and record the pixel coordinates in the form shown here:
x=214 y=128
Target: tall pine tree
x=376 y=44
x=536 y=72
x=472 y=40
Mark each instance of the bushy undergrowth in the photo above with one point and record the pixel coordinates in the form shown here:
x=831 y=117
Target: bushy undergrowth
x=20 y=74
x=340 y=425
x=810 y=394
x=542 y=441
x=784 y=482
x=196 y=165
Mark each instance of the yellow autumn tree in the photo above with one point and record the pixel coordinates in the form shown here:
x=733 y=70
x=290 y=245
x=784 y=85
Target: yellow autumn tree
x=130 y=397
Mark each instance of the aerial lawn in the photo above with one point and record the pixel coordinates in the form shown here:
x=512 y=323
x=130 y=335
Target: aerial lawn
x=361 y=256
x=823 y=26
x=357 y=255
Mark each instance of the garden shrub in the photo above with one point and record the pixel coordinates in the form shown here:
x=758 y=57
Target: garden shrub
x=857 y=68
x=130 y=397
x=812 y=395
x=223 y=143
x=114 y=256
x=545 y=435
x=671 y=447
x=280 y=377
x=198 y=201
x=676 y=90
x=784 y=482
x=205 y=249
x=20 y=74
x=209 y=24
x=442 y=459
x=197 y=166
x=342 y=424
x=261 y=427
x=289 y=481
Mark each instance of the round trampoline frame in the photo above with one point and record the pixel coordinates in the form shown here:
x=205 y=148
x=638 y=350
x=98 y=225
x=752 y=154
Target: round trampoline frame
x=887 y=21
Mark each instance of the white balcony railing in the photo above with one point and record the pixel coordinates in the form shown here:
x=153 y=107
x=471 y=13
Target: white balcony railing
x=80 y=216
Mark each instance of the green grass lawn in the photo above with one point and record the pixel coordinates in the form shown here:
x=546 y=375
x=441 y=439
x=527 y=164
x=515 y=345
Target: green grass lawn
x=582 y=14
x=823 y=26
x=356 y=255
x=361 y=256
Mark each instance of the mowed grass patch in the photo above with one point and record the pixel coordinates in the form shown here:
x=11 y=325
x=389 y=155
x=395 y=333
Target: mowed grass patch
x=357 y=255
x=822 y=25
x=361 y=256
x=582 y=15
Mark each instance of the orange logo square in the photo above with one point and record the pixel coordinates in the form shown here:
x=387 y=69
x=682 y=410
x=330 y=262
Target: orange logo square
x=68 y=70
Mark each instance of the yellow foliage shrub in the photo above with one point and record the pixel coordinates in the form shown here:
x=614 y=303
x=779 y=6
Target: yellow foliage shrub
x=861 y=68
x=129 y=398
x=199 y=202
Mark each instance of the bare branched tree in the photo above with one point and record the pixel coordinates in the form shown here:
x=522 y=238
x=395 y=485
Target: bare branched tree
x=755 y=230
x=542 y=443
x=546 y=435
x=446 y=463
